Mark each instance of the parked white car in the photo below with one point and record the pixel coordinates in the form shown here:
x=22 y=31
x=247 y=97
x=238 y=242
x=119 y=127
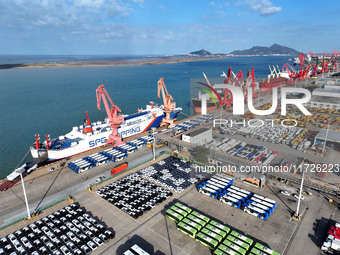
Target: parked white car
x=284 y=192
x=297 y=196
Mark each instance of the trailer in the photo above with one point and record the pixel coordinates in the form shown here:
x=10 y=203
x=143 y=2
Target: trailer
x=119 y=168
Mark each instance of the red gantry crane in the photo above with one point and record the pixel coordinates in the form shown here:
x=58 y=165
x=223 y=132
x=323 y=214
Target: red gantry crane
x=227 y=101
x=335 y=65
x=237 y=82
x=113 y=114
x=304 y=71
x=253 y=82
x=286 y=68
x=169 y=106
x=302 y=60
x=328 y=64
x=246 y=85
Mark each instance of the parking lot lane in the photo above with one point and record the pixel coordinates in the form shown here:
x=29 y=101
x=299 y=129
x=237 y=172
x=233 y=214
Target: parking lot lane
x=314 y=227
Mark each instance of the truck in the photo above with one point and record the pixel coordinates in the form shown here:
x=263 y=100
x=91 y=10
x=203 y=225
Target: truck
x=119 y=168
x=332 y=243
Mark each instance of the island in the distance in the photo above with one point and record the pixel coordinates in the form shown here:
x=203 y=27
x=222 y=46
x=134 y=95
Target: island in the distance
x=119 y=62
x=275 y=49
x=199 y=55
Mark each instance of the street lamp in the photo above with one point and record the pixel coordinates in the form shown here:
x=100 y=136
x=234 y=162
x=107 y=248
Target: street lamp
x=300 y=194
x=23 y=187
x=324 y=144
x=154 y=143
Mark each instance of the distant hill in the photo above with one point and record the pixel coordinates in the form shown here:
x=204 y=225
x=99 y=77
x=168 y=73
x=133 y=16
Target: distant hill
x=201 y=53
x=261 y=50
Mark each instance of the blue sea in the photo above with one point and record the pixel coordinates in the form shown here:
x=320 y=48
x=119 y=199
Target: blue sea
x=53 y=100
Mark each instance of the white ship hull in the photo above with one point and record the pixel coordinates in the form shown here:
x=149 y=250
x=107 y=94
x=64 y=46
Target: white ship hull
x=77 y=142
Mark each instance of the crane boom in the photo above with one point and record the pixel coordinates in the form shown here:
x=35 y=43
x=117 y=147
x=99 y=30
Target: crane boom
x=253 y=82
x=112 y=113
x=169 y=106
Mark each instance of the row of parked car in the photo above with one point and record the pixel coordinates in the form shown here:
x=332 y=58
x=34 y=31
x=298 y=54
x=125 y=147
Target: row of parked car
x=190 y=124
x=251 y=152
x=134 y=195
x=71 y=230
x=172 y=173
x=296 y=137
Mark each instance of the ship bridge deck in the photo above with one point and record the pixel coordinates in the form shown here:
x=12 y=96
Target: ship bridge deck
x=63 y=144
x=135 y=115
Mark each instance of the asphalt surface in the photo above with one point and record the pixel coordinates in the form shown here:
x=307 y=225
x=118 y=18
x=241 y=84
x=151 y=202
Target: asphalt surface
x=156 y=233
x=42 y=189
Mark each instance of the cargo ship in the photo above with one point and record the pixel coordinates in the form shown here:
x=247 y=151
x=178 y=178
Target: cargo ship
x=211 y=104
x=277 y=78
x=268 y=84
x=93 y=135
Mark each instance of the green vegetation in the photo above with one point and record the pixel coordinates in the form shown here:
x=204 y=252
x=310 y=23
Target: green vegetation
x=201 y=155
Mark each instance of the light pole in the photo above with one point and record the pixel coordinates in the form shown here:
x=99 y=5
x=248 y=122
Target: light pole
x=23 y=187
x=324 y=144
x=221 y=106
x=299 y=199
x=154 y=144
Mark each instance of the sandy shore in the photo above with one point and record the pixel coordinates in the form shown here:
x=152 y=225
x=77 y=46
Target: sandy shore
x=120 y=62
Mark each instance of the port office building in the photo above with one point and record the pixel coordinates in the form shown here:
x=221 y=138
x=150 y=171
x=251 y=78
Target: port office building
x=198 y=137
x=333 y=138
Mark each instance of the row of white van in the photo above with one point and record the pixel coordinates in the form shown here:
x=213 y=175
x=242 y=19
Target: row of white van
x=272 y=133
x=255 y=153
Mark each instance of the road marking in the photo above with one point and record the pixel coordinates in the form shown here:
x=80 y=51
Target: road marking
x=294 y=232
x=334 y=213
x=277 y=244
x=165 y=238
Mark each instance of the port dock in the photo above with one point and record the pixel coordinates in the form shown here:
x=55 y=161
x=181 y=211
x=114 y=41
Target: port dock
x=155 y=232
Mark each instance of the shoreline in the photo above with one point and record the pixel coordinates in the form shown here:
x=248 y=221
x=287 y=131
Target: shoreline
x=120 y=62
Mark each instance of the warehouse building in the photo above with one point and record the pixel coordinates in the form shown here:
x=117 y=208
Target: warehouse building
x=327 y=97
x=333 y=138
x=198 y=137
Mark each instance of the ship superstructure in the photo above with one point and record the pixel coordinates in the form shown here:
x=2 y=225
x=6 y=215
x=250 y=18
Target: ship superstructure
x=92 y=135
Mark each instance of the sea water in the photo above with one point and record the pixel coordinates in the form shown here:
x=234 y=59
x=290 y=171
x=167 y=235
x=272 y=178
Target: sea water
x=53 y=100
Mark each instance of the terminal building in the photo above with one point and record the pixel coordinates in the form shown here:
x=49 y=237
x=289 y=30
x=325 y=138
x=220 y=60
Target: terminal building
x=198 y=137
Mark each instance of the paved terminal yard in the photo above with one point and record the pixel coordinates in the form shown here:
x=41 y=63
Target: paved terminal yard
x=161 y=236
x=157 y=234
x=43 y=187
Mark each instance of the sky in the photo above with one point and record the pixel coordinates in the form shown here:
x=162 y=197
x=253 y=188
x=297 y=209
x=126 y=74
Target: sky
x=142 y=27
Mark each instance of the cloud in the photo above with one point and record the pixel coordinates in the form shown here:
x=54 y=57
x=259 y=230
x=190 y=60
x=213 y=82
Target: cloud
x=32 y=14
x=89 y=3
x=219 y=4
x=216 y=10
x=161 y=7
x=220 y=13
x=263 y=7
